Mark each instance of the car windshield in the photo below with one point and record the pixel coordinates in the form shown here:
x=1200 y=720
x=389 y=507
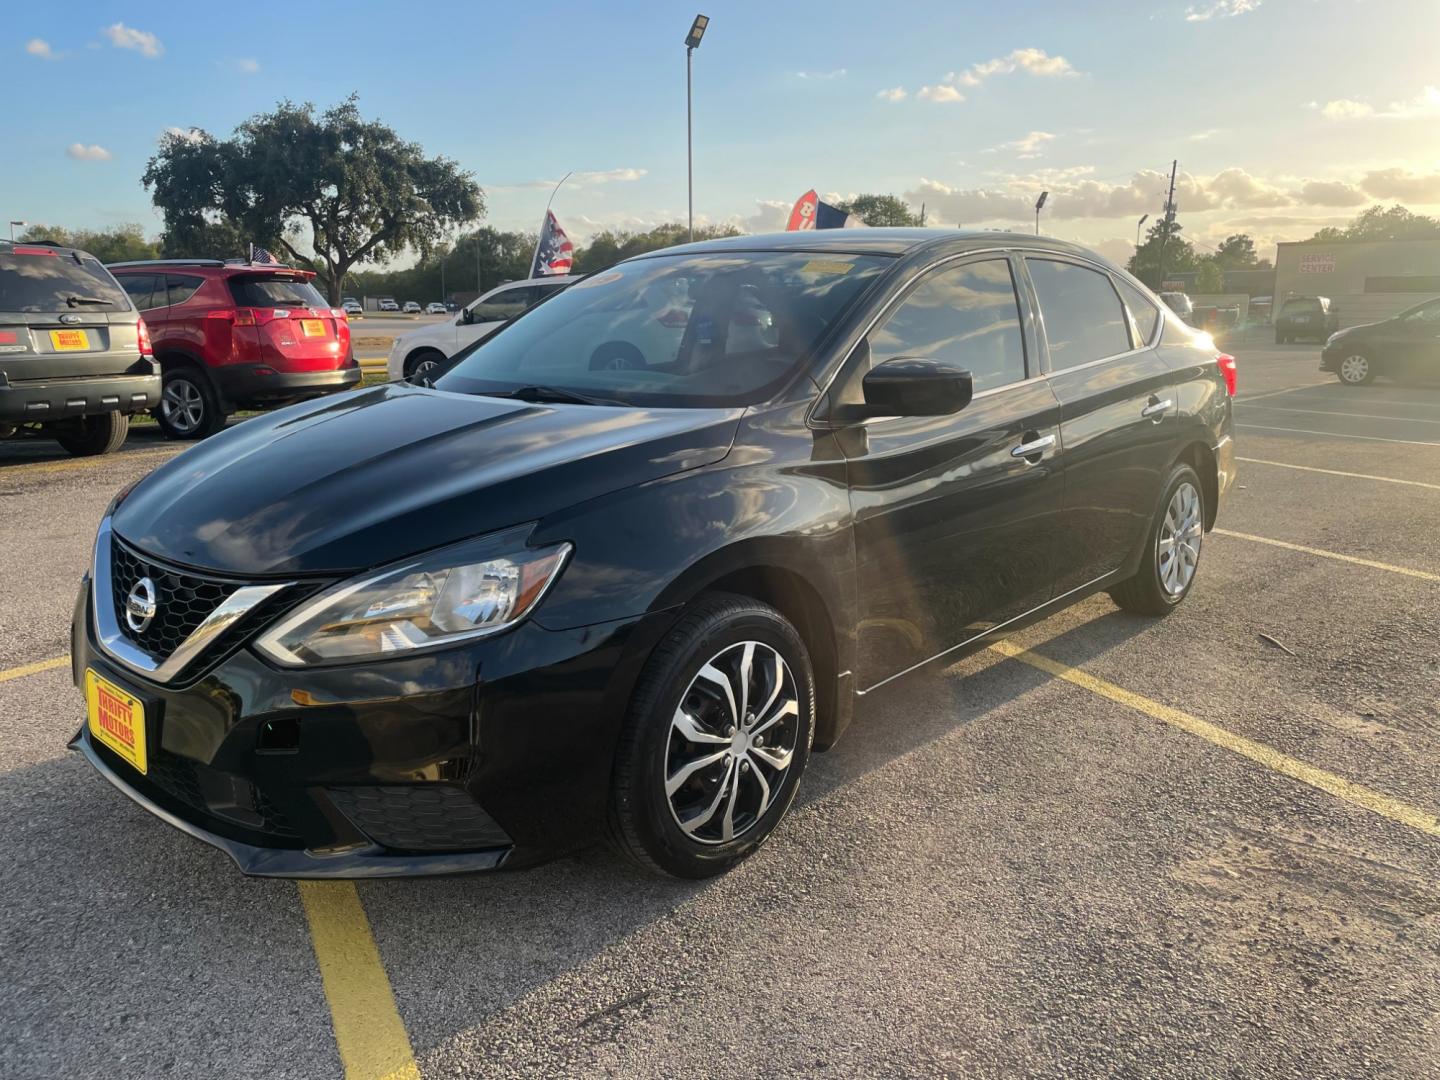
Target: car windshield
x=275 y=292
x=1301 y=307
x=682 y=330
x=44 y=279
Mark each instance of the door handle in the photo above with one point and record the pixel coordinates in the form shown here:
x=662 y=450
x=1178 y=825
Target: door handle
x=1156 y=408
x=1033 y=447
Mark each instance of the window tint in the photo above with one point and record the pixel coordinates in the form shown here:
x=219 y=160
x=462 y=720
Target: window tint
x=36 y=278
x=1084 y=320
x=967 y=315
x=260 y=291
x=506 y=305
x=181 y=287
x=141 y=288
x=1143 y=314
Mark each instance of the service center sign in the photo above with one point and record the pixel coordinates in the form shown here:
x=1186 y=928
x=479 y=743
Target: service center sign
x=1317 y=264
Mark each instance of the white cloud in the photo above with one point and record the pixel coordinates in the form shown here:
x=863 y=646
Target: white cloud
x=127 y=37
x=1208 y=133
x=942 y=92
x=190 y=135
x=1329 y=193
x=41 y=48
x=1028 y=146
x=1425 y=103
x=247 y=66
x=823 y=76
x=1032 y=61
x=81 y=152
x=1402 y=184
x=1220 y=9
x=895 y=93
x=579 y=179
x=1344 y=109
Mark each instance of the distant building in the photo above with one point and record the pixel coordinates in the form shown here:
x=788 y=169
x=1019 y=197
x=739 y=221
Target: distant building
x=1366 y=281
x=1249 y=282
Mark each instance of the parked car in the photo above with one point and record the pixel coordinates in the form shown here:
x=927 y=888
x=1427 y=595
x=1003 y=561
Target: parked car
x=351 y=306
x=1306 y=317
x=1260 y=307
x=1405 y=346
x=411 y=308
x=435 y=308
x=388 y=304
x=1180 y=304
x=75 y=357
x=419 y=353
x=550 y=600
x=233 y=336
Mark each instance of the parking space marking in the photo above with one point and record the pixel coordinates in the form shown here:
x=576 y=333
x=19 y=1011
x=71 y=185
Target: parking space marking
x=1337 y=472
x=1350 y=415
x=1423 y=575
x=1270 y=758
x=1276 y=393
x=369 y=1033
x=1334 y=434
x=34 y=669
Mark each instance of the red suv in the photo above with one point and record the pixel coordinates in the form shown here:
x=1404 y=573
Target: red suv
x=232 y=335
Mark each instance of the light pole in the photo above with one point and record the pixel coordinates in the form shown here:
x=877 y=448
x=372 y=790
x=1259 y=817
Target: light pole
x=1143 y=218
x=22 y=224
x=692 y=42
x=1040 y=205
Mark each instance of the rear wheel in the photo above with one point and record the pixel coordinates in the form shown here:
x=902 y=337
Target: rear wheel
x=86 y=436
x=1356 y=370
x=189 y=407
x=717 y=736
x=1172 y=551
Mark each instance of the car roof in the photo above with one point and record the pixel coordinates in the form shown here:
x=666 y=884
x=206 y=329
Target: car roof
x=882 y=241
x=208 y=264
x=58 y=248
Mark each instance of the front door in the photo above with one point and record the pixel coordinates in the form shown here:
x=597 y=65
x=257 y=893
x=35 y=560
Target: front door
x=953 y=520
x=1418 y=346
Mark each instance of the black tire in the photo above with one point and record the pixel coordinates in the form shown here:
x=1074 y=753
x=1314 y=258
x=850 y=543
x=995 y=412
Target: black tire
x=189 y=406
x=426 y=359
x=87 y=436
x=642 y=823
x=1146 y=592
x=1281 y=339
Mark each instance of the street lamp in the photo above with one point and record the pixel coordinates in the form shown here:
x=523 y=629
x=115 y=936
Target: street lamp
x=22 y=224
x=1040 y=205
x=692 y=42
x=1143 y=218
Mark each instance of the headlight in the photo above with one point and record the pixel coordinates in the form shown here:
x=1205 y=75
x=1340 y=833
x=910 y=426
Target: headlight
x=454 y=594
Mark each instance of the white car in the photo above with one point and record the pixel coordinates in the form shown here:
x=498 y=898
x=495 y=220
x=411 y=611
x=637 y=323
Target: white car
x=352 y=307
x=422 y=349
x=411 y=308
x=389 y=305
x=435 y=308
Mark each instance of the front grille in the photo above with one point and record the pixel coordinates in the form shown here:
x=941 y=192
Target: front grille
x=213 y=792
x=183 y=600
x=420 y=817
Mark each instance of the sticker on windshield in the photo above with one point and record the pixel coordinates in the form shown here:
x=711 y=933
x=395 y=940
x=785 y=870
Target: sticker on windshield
x=827 y=266
x=599 y=279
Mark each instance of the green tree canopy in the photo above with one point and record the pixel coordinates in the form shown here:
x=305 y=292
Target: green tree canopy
x=1236 y=253
x=120 y=243
x=613 y=245
x=1178 y=253
x=1383 y=223
x=1210 y=277
x=880 y=210
x=348 y=189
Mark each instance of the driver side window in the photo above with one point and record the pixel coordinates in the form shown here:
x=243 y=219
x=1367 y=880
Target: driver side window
x=1428 y=315
x=504 y=305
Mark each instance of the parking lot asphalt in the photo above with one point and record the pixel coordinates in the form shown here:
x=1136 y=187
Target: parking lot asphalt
x=1200 y=846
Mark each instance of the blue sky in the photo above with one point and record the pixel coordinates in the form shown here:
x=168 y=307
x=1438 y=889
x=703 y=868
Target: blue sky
x=1284 y=113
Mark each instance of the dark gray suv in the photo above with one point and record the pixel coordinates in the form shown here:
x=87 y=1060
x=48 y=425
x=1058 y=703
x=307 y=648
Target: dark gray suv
x=75 y=358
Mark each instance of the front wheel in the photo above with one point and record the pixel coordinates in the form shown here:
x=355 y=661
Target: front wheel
x=1356 y=370
x=86 y=436
x=1172 y=550
x=717 y=735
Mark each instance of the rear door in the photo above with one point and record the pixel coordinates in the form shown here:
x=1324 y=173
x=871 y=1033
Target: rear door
x=953 y=523
x=1418 y=351
x=1117 y=412
x=495 y=310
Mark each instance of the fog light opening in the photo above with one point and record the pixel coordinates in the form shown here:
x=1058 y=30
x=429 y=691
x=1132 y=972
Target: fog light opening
x=280 y=735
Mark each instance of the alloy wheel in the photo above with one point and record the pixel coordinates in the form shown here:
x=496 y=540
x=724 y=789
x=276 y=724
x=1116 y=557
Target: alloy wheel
x=1178 y=547
x=182 y=405
x=1354 y=369
x=424 y=372
x=731 y=742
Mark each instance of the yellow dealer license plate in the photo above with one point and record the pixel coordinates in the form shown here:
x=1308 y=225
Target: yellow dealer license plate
x=69 y=340
x=117 y=719
x=312 y=327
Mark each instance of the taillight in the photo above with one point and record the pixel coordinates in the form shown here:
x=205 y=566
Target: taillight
x=143 y=332
x=249 y=316
x=1226 y=364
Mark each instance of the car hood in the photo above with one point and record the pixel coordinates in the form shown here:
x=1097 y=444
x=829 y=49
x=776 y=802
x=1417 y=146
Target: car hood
x=368 y=478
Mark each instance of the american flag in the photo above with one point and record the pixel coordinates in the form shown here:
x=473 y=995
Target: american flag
x=260 y=257
x=554 y=254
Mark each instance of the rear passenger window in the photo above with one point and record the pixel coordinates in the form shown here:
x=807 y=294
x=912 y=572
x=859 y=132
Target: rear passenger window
x=1084 y=320
x=1143 y=314
x=967 y=315
x=506 y=305
x=181 y=288
x=141 y=288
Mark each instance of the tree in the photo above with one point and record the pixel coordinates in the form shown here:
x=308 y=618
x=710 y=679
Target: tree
x=1382 y=223
x=1210 y=277
x=878 y=210
x=476 y=261
x=122 y=243
x=1179 y=254
x=613 y=245
x=347 y=189
x=1236 y=253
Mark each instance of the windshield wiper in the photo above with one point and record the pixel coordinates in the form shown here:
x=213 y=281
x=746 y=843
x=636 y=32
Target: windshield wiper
x=553 y=394
x=76 y=301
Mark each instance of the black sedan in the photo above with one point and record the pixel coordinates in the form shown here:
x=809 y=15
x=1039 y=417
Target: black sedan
x=636 y=555
x=1406 y=346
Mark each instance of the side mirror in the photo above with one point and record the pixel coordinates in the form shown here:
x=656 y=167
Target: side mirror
x=912 y=386
x=467 y=315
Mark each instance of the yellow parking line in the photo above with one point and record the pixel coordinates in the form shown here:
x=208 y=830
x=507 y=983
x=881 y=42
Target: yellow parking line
x=1355 y=794
x=1334 y=434
x=1337 y=472
x=370 y=1035
x=33 y=669
x=1423 y=575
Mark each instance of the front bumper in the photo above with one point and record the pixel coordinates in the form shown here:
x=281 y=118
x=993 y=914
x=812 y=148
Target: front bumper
x=489 y=755
x=244 y=384
x=42 y=400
